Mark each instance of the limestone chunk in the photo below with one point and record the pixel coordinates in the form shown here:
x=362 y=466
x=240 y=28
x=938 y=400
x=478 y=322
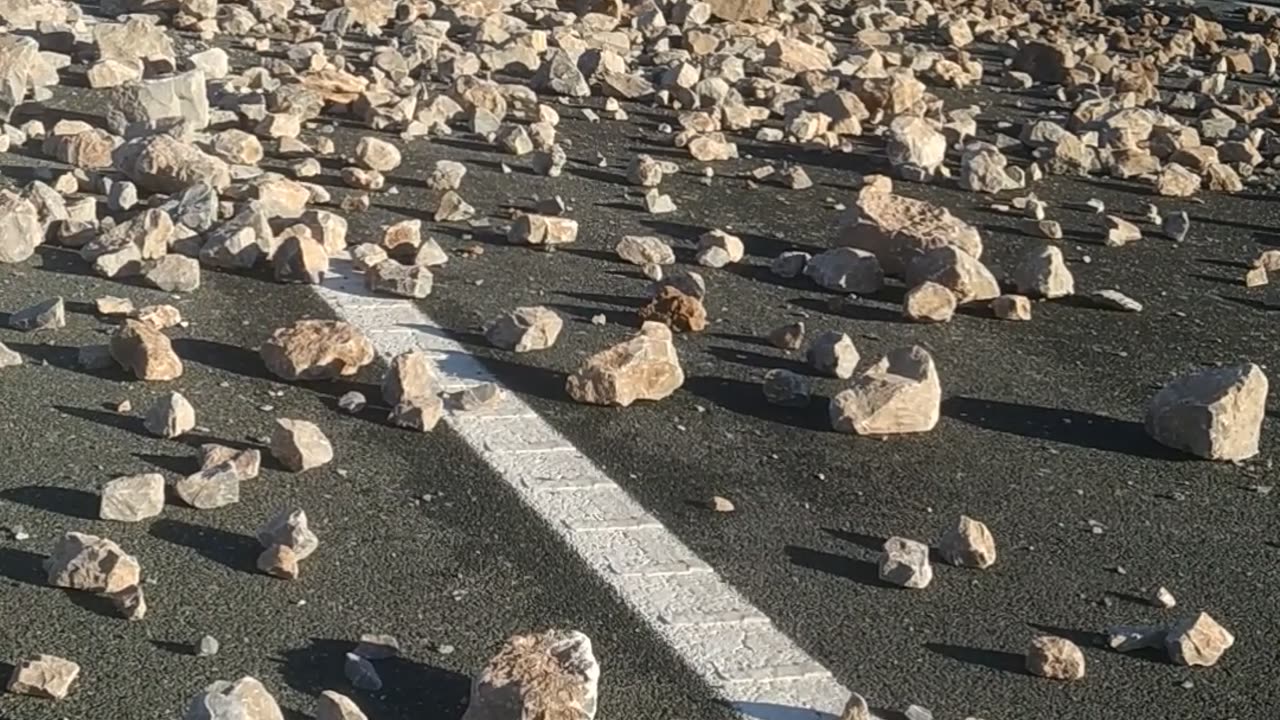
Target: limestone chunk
x=549 y=675
x=905 y=563
x=91 y=563
x=896 y=228
x=170 y=416
x=929 y=302
x=141 y=349
x=210 y=488
x=833 y=354
x=1198 y=641
x=43 y=676
x=1215 y=413
x=1055 y=658
x=645 y=367
x=317 y=350
x=969 y=544
x=1011 y=307
x=899 y=394
x=1042 y=272
x=525 y=329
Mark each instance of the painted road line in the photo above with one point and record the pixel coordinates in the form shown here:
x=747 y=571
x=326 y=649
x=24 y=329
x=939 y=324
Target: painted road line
x=727 y=641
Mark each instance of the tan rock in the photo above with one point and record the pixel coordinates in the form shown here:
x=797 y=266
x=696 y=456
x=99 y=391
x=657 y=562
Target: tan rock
x=1215 y=413
x=409 y=376
x=897 y=229
x=143 y=350
x=856 y=709
x=1055 y=658
x=375 y=154
x=132 y=498
x=833 y=354
x=929 y=302
x=547 y=675
x=671 y=307
x=300 y=445
x=170 y=416
x=245 y=699
x=1011 y=307
x=543 y=230
x=646 y=367
x=335 y=706
x=1121 y=232
x=43 y=676
x=905 y=563
x=246 y=463
x=956 y=270
x=1177 y=181
x=968 y=544
x=644 y=250
x=525 y=329
x=317 y=350
x=210 y=488
x=900 y=394
x=740 y=10
x=1042 y=272
x=718 y=248
x=788 y=336
x=1197 y=641
x=847 y=270
x=90 y=563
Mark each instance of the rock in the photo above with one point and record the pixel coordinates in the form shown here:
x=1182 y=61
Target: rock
x=657 y=203
x=9 y=358
x=170 y=416
x=846 y=269
x=790 y=263
x=300 y=258
x=317 y=350
x=672 y=307
x=45 y=315
x=245 y=699
x=785 y=388
x=545 y=230
x=246 y=463
x=916 y=147
x=983 y=169
x=1045 y=61
x=174 y=273
x=559 y=75
x=549 y=675
x=1055 y=658
x=968 y=544
x=718 y=248
x=740 y=10
x=525 y=329
x=645 y=367
x=446 y=175
x=92 y=564
x=899 y=394
x=1177 y=181
x=1162 y=598
x=1121 y=232
x=361 y=673
x=896 y=229
x=856 y=709
x=279 y=561
x=141 y=349
x=712 y=147
x=165 y=164
x=43 y=676
x=1176 y=225
x=1215 y=413
x=955 y=270
x=644 y=250
x=1256 y=277
x=147 y=104
x=395 y=278
x=334 y=706
x=237 y=146
x=417 y=413
x=1043 y=273
x=289 y=528
x=929 y=302
x=905 y=563
x=409 y=377
x=20 y=227
x=788 y=336
x=300 y=445
x=833 y=354
x=1011 y=307
x=159 y=317
x=1128 y=638
x=207 y=647
x=1197 y=641
x=132 y=498
x=1115 y=300
x=130 y=602
x=378 y=647
x=375 y=154
x=18 y=55
x=352 y=402
x=211 y=488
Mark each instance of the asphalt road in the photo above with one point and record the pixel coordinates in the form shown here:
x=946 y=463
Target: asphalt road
x=1040 y=438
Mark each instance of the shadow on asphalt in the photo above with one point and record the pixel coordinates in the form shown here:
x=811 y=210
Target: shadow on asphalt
x=95 y=603
x=223 y=356
x=748 y=399
x=232 y=550
x=61 y=500
x=993 y=659
x=859 y=571
x=410 y=689
x=22 y=566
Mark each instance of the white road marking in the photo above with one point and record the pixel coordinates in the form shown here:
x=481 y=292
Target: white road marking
x=727 y=641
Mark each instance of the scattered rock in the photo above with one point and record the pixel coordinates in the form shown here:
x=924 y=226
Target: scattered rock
x=92 y=564
x=1042 y=272
x=132 y=498
x=361 y=673
x=848 y=270
x=929 y=302
x=334 y=706
x=143 y=350
x=1162 y=598
x=43 y=676
x=246 y=463
x=170 y=416
x=210 y=488
x=969 y=544
x=1055 y=658
x=1128 y=638
x=672 y=307
x=955 y=270
x=1115 y=300
x=45 y=315
x=543 y=230
x=525 y=329
x=785 y=388
x=208 y=646
x=300 y=445
x=833 y=354
x=550 y=674
x=896 y=228
x=1215 y=413
x=1175 y=225
x=1121 y=232
x=1011 y=307
x=375 y=154
x=378 y=647
x=246 y=699
x=317 y=350
x=856 y=709
x=645 y=367
x=905 y=563
x=279 y=561
x=789 y=336
x=644 y=250
x=1197 y=641
x=289 y=528
x=899 y=394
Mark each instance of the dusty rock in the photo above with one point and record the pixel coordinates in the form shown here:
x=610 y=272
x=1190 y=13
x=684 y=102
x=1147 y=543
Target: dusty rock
x=289 y=528
x=141 y=349
x=246 y=463
x=395 y=278
x=525 y=329
x=417 y=413
x=147 y=104
x=300 y=445
x=788 y=336
x=1215 y=413
x=550 y=675
x=1197 y=641
x=130 y=603
x=899 y=394
x=9 y=358
x=334 y=706
x=833 y=354
x=170 y=416
x=375 y=154
x=245 y=699
x=1177 y=181
x=905 y=563
x=1043 y=273
x=896 y=228
x=645 y=367
x=658 y=203
x=916 y=147
x=90 y=563
x=43 y=676
x=545 y=230
x=48 y=314
x=645 y=250
x=1121 y=232
x=672 y=307
x=279 y=561
x=18 y=55
x=1011 y=307
x=955 y=270
x=174 y=273
x=785 y=388
x=317 y=350
x=1256 y=277
x=210 y=488
x=968 y=544
x=446 y=175
x=740 y=10
x=718 y=248
x=159 y=317
x=408 y=377
x=929 y=302
x=1175 y=226
x=20 y=228
x=1115 y=300
x=846 y=269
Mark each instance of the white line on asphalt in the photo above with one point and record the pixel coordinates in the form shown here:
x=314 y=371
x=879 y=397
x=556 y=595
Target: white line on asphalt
x=722 y=637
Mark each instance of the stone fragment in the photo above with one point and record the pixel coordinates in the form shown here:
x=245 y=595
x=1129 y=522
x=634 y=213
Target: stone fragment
x=833 y=354
x=1121 y=232
x=740 y=10
x=847 y=270
x=408 y=377
x=165 y=164
x=43 y=676
x=92 y=564
x=1175 y=225
x=279 y=561
x=417 y=413
x=375 y=154
x=955 y=270
x=141 y=349
x=856 y=709
x=899 y=394
x=983 y=169
x=237 y=146
x=48 y=314
x=1198 y=641
x=378 y=647
x=146 y=104
x=674 y=308
x=207 y=647
x=525 y=329
x=1215 y=413
x=9 y=358
x=361 y=673
x=352 y=402
x=446 y=175
x=246 y=462
x=245 y=699
x=1011 y=307
x=395 y=278
x=316 y=350
x=210 y=488
x=644 y=250
x=788 y=336
x=915 y=146
x=553 y=674
x=20 y=228
x=968 y=544
x=174 y=273
x=646 y=367
x=785 y=388
x=1055 y=658
x=1115 y=300
x=289 y=528
x=1177 y=181
x=896 y=228
x=300 y=445
x=929 y=302
x=789 y=263
x=530 y=229
x=718 y=248
x=170 y=416
x=905 y=563
x=1042 y=272
x=300 y=258
x=130 y=603
x=335 y=706
x=1162 y=598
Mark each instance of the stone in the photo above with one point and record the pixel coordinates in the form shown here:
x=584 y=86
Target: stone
x=677 y=310
x=395 y=278
x=317 y=350
x=130 y=603
x=789 y=263
x=208 y=646
x=417 y=413
x=1042 y=272
x=165 y=164
x=92 y=564
x=136 y=39
x=289 y=528
x=1011 y=307
x=20 y=228
x=335 y=706
x=147 y=104
x=48 y=314
x=644 y=250
x=361 y=673
x=657 y=203
x=409 y=377
x=905 y=563
x=453 y=208
x=1177 y=181
x=525 y=329
x=712 y=147
x=279 y=561
x=300 y=258
x=352 y=402
x=9 y=358
x=968 y=544
x=717 y=248
x=1215 y=413
x=645 y=171
x=544 y=230
x=174 y=273
x=374 y=154
x=740 y=10
x=833 y=354
x=856 y=709
x=159 y=317
x=896 y=228
x=141 y=349
x=916 y=147
x=245 y=699
x=559 y=75
x=236 y=146
x=645 y=367
x=1162 y=598
x=955 y=270
x=210 y=488
x=246 y=463
x=1121 y=232
x=17 y=57
x=983 y=169
x=899 y=394
x=446 y=175
x=1197 y=641
x=1175 y=225
x=847 y=270
x=1055 y=658
x=170 y=416
x=300 y=445
x=1046 y=62
x=43 y=676
x=929 y=302
x=788 y=336
x=553 y=674
x=377 y=647
x=785 y=388
x=1115 y=300
x=1256 y=277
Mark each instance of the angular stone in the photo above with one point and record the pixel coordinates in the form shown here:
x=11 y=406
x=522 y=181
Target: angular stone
x=559 y=75
x=375 y=154
x=740 y=10
x=896 y=229
x=929 y=302
x=968 y=544
x=983 y=169
x=833 y=354
x=300 y=258
x=335 y=706
x=317 y=350
x=955 y=270
x=245 y=699
x=174 y=273
x=300 y=445
x=17 y=57
x=279 y=561
x=856 y=709
x=211 y=488
x=1176 y=225
x=90 y=563
x=143 y=350
x=246 y=463
x=43 y=676
x=788 y=336
x=136 y=39
x=1011 y=307
x=916 y=147
x=208 y=646
x=547 y=675
x=20 y=228
x=530 y=229
x=785 y=388
x=646 y=367
x=1042 y=272
x=644 y=250
x=417 y=413
x=1197 y=641
x=525 y=329
x=147 y=104
x=170 y=416
x=1055 y=658
x=130 y=602
x=1115 y=300
x=165 y=164
x=237 y=146
x=900 y=394
x=846 y=269
x=289 y=528
x=1121 y=232
x=9 y=358
x=395 y=278
x=789 y=263
x=905 y=563
x=447 y=175
x=377 y=647
x=1215 y=413
x=1177 y=181
x=672 y=307
x=409 y=376
x=48 y=314
x=717 y=248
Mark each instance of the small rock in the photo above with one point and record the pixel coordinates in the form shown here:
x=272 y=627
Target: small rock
x=92 y=564
x=721 y=504
x=905 y=563
x=43 y=676
x=1115 y=300
x=279 y=561
x=672 y=307
x=644 y=250
x=856 y=709
x=170 y=416
x=289 y=528
x=1042 y=272
x=900 y=394
x=211 y=488
x=132 y=498
x=1162 y=598
x=361 y=673
x=1055 y=658
x=1121 y=232
x=1012 y=307
x=44 y=315
x=300 y=445
x=846 y=270
x=929 y=302
x=1197 y=641
x=785 y=388
x=352 y=402
x=525 y=329
x=378 y=647
x=208 y=646
x=140 y=348
x=334 y=706
x=245 y=699
x=969 y=544
x=1128 y=638
x=1176 y=225
x=378 y=155
x=718 y=249
x=789 y=336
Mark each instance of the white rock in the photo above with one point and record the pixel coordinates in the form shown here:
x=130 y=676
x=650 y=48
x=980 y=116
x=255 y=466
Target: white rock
x=132 y=498
x=906 y=563
x=899 y=394
x=1215 y=413
x=548 y=675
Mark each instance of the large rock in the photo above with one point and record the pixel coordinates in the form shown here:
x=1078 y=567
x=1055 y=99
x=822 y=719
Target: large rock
x=300 y=445
x=316 y=350
x=899 y=394
x=968 y=544
x=897 y=229
x=165 y=164
x=43 y=676
x=145 y=351
x=679 y=311
x=212 y=487
x=548 y=675
x=146 y=104
x=409 y=377
x=20 y=228
x=17 y=56
x=525 y=329
x=955 y=270
x=1043 y=272
x=916 y=147
x=245 y=699
x=1197 y=640
x=90 y=563
x=1215 y=414
x=740 y=10
x=847 y=270
x=645 y=367
x=1055 y=658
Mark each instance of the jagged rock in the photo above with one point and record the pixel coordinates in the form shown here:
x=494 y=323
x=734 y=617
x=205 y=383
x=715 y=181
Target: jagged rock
x=969 y=544
x=846 y=269
x=789 y=263
x=899 y=394
x=408 y=377
x=1121 y=232
x=395 y=278
x=646 y=171
x=1162 y=598
x=170 y=416
x=210 y=488
x=1011 y=307
x=130 y=603
x=1177 y=181
x=645 y=367
x=20 y=228
x=718 y=248
x=245 y=699
x=375 y=154
x=1043 y=273
x=48 y=314
x=983 y=169
x=237 y=146
x=833 y=353
x=90 y=563
x=856 y=709
x=246 y=462
x=137 y=39
x=43 y=676
x=1055 y=658
x=165 y=164
x=1115 y=300
x=377 y=647
x=17 y=56
x=1175 y=226
x=905 y=563
x=550 y=674
x=929 y=302
x=674 y=308
x=174 y=273
x=896 y=229
x=317 y=350
x=279 y=561
x=289 y=528
x=417 y=413
x=132 y=498
x=9 y=358
x=559 y=75
x=788 y=336
x=143 y=350
x=1215 y=413
x=530 y=229
x=916 y=147
x=785 y=388
x=300 y=258
x=525 y=329
x=740 y=10
x=300 y=445
x=147 y=104
x=955 y=270
x=644 y=250
x=446 y=175
x=335 y=706
x=1197 y=641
